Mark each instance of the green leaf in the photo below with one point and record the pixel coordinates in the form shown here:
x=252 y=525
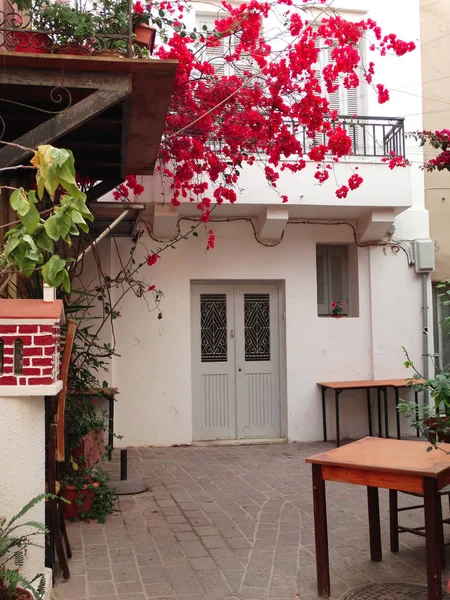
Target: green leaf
x=195 y=233
x=31 y=219
x=19 y=202
x=52 y=271
x=43 y=241
x=58 y=226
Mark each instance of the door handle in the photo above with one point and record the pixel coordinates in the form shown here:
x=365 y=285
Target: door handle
x=232 y=333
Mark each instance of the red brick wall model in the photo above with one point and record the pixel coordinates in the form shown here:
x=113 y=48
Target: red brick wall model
x=40 y=363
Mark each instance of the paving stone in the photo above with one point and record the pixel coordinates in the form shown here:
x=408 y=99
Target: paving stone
x=206 y=530
x=249 y=533
x=194 y=549
x=97 y=574
x=203 y=564
x=101 y=588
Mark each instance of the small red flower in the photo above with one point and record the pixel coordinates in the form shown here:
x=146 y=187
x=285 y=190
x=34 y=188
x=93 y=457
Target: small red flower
x=138 y=8
x=151 y=288
x=152 y=259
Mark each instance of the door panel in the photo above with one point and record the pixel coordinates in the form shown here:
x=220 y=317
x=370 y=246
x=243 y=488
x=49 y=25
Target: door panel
x=214 y=396
x=257 y=361
x=236 y=381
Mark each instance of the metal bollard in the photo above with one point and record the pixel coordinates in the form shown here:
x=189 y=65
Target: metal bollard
x=123 y=464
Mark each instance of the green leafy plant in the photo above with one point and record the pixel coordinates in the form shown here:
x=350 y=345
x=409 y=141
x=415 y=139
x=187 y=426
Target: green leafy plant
x=96 y=480
x=434 y=421
x=15 y=538
x=32 y=244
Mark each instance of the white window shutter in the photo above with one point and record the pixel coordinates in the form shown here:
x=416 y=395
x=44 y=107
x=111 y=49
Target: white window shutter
x=337 y=258
x=213 y=55
x=323 y=304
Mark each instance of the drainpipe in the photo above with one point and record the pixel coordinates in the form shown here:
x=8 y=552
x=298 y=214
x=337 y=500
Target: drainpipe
x=426 y=351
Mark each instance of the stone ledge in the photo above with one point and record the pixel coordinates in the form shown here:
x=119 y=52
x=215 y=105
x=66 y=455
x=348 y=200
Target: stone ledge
x=30 y=390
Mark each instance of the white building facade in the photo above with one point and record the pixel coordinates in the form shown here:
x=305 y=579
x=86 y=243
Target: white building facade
x=247 y=330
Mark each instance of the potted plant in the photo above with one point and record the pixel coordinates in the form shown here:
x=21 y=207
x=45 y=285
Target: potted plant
x=15 y=539
x=337 y=308
x=434 y=423
x=85 y=428
x=144 y=35
x=88 y=492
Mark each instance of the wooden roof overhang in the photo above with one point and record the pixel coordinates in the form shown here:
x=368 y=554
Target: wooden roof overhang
x=109 y=110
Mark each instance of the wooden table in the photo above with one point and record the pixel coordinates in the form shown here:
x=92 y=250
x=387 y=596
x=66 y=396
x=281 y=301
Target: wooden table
x=381 y=386
x=400 y=465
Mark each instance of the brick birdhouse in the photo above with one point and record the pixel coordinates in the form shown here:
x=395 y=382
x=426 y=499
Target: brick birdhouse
x=29 y=344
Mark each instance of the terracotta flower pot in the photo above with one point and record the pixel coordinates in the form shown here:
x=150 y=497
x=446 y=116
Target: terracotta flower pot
x=90 y=448
x=33 y=43
x=145 y=36
x=23 y=595
x=70 y=493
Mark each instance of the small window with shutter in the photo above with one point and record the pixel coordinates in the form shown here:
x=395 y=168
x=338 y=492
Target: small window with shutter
x=332 y=278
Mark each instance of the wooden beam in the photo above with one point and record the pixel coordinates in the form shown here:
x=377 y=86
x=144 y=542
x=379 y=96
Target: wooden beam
x=102 y=188
x=62 y=79
x=126 y=107
x=64 y=122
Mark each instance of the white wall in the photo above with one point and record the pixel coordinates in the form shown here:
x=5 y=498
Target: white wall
x=153 y=372
x=22 y=448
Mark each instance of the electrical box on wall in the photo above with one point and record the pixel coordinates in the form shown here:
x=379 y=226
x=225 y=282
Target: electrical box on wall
x=424 y=256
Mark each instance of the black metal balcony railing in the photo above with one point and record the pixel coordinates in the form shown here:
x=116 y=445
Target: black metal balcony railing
x=371 y=136
x=104 y=34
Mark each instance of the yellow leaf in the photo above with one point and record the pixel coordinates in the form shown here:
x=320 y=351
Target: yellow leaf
x=74 y=466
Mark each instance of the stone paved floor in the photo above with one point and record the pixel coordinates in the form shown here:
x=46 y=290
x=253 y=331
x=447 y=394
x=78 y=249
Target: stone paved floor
x=231 y=522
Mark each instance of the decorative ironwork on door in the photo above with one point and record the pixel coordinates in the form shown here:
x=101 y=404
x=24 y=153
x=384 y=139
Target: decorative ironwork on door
x=257 y=327
x=213 y=325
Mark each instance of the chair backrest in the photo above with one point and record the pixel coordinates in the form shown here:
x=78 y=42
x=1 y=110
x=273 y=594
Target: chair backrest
x=70 y=336
x=51 y=458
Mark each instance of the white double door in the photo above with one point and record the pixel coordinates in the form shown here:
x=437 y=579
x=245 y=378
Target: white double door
x=235 y=364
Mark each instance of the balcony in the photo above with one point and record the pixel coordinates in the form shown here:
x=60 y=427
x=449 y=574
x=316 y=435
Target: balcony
x=372 y=208
x=371 y=136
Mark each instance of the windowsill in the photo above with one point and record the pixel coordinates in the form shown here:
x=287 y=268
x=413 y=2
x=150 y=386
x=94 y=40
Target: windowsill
x=338 y=317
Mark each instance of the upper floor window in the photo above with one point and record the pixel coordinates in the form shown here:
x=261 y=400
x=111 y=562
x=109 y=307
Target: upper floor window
x=332 y=278
x=225 y=47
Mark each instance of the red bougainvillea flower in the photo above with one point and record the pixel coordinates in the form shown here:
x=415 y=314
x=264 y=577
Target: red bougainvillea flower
x=152 y=259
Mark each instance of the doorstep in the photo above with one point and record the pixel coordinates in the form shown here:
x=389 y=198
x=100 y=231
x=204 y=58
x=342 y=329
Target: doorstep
x=244 y=442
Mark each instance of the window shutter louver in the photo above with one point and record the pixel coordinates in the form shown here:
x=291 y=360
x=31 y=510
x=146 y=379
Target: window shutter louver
x=213 y=55
x=322 y=280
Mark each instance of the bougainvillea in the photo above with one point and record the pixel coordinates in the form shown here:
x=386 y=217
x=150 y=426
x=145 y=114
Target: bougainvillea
x=440 y=140
x=244 y=90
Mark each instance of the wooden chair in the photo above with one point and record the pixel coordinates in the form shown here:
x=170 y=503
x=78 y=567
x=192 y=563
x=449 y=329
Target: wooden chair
x=54 y=513
x=396 y=528
x=55 y=455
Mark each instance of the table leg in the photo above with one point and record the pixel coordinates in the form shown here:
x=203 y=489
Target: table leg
x=338 y=427
x=380 y=428
x=374 y=523
x=324 y=415
x=386 y=412
x=397 y=414
x=432 y=539
x=369 y=412
x=393 y=519
x=111 y=426
x=416 y=399
x=321 y=533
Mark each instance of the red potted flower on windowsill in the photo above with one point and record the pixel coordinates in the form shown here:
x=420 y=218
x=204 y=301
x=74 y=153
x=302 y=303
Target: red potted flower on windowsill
x=144 y=35
x=337 y=308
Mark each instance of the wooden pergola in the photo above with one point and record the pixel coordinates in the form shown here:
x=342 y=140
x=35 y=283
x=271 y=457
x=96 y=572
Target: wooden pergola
x=109 y=110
